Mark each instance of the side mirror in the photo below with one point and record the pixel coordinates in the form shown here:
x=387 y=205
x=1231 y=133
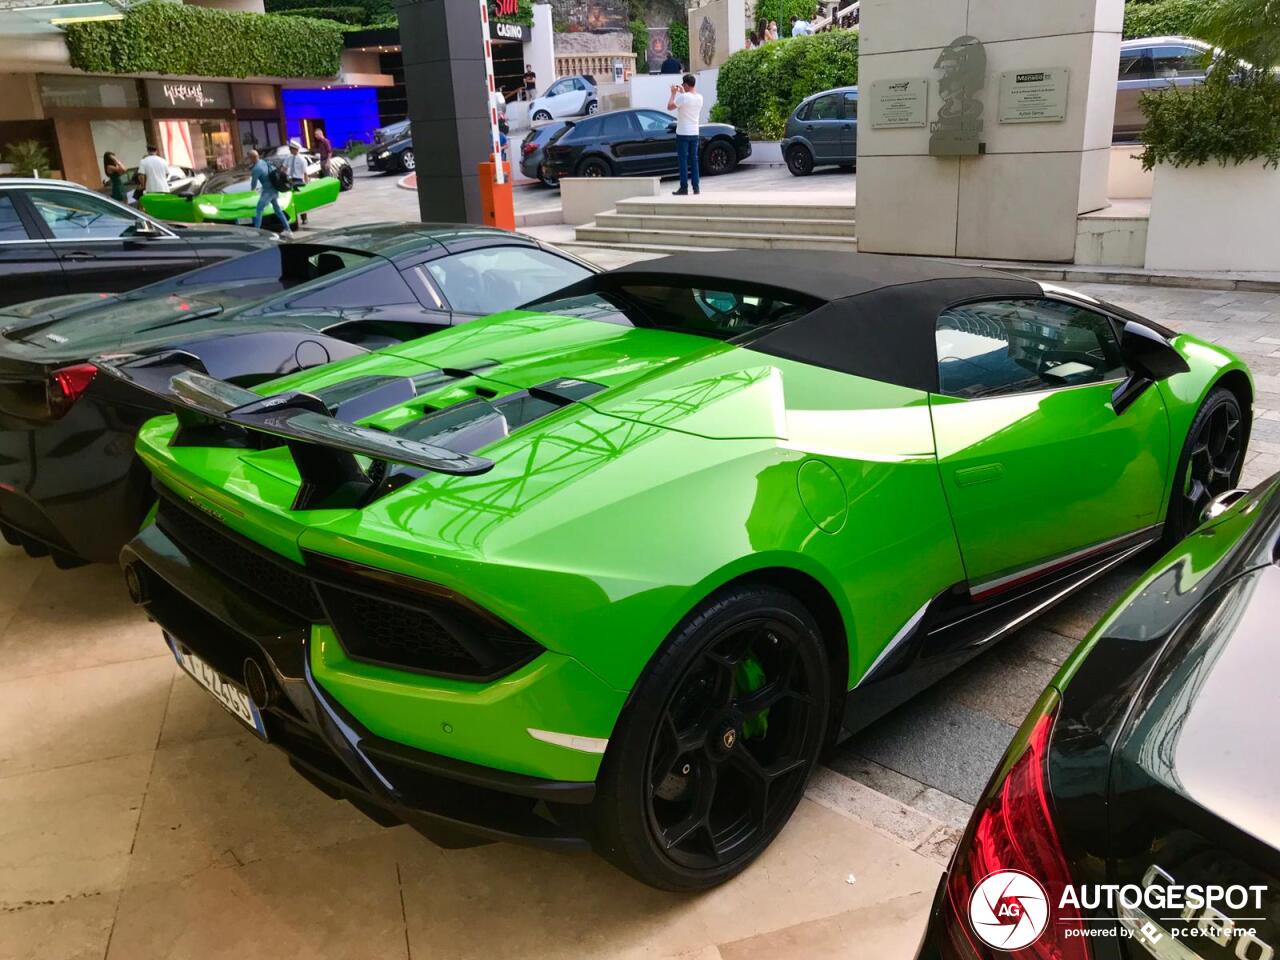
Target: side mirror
x=1149 y=357
x=1149 y=353
x=671 y=128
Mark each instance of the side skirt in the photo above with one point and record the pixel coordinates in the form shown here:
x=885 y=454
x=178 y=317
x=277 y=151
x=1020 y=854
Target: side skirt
x=958 y=624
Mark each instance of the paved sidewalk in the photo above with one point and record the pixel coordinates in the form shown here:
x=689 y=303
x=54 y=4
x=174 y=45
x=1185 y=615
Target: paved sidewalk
x=138 y=821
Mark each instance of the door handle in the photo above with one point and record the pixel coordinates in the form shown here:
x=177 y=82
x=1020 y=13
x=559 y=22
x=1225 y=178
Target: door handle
x=79 y=255
x=968 y=476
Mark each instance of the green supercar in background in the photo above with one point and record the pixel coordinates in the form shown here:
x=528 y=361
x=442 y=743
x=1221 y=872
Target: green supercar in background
x=614 y=568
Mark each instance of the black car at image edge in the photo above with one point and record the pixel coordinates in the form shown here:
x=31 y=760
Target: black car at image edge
x=1152 y=760
x=70 y=483
x=60 y=238
x=636 y=143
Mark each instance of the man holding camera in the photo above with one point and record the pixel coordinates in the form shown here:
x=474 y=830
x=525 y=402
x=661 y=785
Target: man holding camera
x=688 y=107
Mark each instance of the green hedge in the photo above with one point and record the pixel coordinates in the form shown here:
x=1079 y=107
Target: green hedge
x=678 y=40
x=352 y=16
x=373 y=9
x=1161 y=18
x=640 y=44
x=179 y=39
x=757 y=89
x=782 y=11
x=1221 y=120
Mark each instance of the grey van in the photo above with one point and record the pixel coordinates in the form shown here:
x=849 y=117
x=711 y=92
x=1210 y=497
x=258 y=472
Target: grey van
x=823 y=130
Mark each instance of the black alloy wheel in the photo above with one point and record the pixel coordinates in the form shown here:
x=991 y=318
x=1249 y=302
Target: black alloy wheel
x=1211 y=461
x=540 y=115
x=546 y=179
x=711 y=759
x=595 y=167
x=799 y=160
x=717 y=158
x=346 y=178
x=408 y=161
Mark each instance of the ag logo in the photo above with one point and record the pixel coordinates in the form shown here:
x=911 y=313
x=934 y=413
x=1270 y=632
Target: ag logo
x=1008 y=910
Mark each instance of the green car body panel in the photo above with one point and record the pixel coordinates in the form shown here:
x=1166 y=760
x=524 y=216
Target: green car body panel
x=601 y=525
x=237 y=207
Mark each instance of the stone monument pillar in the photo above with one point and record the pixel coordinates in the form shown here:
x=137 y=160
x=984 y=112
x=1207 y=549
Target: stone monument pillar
x=717 y=28
x=444 y=76
x=984 y=126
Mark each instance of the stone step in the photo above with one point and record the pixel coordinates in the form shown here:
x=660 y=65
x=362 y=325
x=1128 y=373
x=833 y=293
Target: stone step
x=674 y=239
x=699 y=223
x=708 y=206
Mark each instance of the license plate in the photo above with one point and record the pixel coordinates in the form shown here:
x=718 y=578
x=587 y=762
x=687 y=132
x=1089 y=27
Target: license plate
x=227 y=692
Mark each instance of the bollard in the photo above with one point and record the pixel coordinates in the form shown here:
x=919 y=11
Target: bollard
x=496 y=199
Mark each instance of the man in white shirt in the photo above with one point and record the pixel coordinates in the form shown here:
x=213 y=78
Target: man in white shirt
x=153 y=171
x=800 y=28
x=295 y=168
x=688 y=107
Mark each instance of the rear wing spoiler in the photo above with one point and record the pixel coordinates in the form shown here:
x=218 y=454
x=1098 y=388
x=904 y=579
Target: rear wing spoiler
x=323 y=447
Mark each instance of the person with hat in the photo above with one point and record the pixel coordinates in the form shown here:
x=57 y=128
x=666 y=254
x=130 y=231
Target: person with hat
x=295 y=168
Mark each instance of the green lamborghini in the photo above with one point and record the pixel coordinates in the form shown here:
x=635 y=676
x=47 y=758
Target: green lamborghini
x=614 y=568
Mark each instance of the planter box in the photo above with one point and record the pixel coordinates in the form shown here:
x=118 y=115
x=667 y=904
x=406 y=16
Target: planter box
x=1126 y=180
x=583 y=197
x=1215 y=218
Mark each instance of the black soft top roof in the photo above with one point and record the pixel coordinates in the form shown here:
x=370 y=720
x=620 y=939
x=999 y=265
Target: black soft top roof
x=878 y=313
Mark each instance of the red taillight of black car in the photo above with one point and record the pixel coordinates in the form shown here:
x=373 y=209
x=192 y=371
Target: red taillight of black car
x=1013 y=832
x=528 y=148
x=66 y=385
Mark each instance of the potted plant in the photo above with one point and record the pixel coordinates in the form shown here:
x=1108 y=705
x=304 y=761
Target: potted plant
x=27 y=158
x=1215 y=150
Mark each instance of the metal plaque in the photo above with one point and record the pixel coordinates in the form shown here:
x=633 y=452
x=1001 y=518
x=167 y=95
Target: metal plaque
x=957 y=131
x=900 y=103
x=1033 y=96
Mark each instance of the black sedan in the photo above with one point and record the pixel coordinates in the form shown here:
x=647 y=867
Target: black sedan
x=396 y=155
x=637 y=142
x=70 y=484
x=1137 y=812
x=531 y=151
x=60 y=238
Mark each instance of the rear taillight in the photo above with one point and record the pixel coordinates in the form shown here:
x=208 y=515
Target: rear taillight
x=528 y=148
x=1012 y=833
x=66 y=385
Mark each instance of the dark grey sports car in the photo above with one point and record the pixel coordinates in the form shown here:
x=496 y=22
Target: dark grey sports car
x=70 y=484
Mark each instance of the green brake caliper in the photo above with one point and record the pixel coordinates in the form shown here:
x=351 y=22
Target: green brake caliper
x=750 y=678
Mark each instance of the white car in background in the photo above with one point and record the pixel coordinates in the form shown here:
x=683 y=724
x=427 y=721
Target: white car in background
x=567 y=97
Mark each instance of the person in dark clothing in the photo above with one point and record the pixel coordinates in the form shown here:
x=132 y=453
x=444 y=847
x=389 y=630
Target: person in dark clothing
x=530 y=82
x=325 y=150
x=672 y=65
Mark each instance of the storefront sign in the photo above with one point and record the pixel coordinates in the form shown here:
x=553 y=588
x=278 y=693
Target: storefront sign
x=900 y=103
x=188 y=93
x=509 y=31
x=1033 y=96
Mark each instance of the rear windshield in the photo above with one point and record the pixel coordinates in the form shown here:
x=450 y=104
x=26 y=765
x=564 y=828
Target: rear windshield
x=721 y=314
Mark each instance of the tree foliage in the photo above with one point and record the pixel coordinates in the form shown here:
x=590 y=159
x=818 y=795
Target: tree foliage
x=782 y=11
x=1227 y=119
x=180 y=39
x=757 y=89
x=1246 y=29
